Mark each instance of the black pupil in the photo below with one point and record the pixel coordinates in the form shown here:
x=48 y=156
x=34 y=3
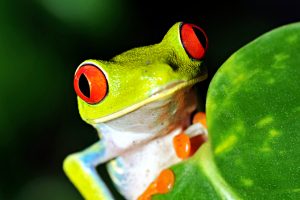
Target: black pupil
x=84 y=85
x=201 y=37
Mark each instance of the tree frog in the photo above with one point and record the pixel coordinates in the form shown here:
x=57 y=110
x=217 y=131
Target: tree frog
x=141 y=103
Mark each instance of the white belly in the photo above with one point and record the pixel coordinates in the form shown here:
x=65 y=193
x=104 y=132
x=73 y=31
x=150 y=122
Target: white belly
x=142 y=141
x=136 y=169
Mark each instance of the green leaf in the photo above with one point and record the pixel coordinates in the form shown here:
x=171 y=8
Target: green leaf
x=253 y=116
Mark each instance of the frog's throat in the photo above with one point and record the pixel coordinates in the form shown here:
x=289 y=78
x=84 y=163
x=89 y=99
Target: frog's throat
x=156 y=96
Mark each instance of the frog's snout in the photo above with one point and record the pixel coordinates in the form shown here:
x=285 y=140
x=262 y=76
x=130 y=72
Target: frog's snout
x=90 y=84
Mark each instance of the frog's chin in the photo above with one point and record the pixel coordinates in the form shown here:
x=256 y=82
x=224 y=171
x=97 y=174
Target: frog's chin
x=162 y=93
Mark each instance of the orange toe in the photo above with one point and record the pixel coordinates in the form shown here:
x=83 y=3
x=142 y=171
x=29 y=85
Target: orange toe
x=182 y=145
x=161 y=185
x=200 y=117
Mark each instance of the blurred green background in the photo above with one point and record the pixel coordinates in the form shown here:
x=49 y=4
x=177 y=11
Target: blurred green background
x=43 y=41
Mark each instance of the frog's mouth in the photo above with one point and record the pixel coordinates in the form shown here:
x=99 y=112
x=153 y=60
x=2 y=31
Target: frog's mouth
x=161 y=93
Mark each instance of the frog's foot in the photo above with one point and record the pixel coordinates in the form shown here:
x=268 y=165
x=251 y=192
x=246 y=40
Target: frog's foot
x=161 y=185
x=188 y=142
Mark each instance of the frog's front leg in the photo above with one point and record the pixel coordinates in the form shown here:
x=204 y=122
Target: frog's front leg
x=185 y=144
x=188 y=142
x=81 y=169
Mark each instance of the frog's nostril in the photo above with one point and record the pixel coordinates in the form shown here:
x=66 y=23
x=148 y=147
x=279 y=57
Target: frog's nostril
x=90 y=84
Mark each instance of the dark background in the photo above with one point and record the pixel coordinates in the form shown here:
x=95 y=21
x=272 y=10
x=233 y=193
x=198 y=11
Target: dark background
x=43 y=41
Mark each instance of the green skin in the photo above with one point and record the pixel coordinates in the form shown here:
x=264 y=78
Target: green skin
x=152 y=68
x=159 y=71
x=253 y=116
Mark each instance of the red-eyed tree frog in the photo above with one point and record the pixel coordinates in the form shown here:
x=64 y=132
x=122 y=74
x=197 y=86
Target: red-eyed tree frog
x=141 y=103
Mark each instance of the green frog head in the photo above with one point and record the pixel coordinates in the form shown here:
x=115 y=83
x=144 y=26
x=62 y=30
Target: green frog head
x=110 y=89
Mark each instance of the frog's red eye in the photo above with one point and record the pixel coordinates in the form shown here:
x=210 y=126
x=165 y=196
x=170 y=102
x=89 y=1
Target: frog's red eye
x=90 y=84
x=194 y=40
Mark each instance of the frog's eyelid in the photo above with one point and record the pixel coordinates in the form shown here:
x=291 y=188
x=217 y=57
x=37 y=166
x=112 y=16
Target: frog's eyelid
x=90 y=83
x=194 y=40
